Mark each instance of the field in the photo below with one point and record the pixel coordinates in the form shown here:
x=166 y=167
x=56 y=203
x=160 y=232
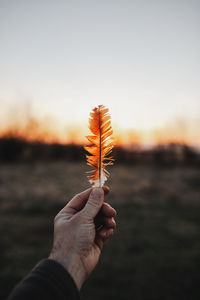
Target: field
x=155 y=251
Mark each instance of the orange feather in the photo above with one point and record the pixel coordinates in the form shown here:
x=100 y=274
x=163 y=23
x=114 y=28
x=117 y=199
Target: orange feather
x=100 y=145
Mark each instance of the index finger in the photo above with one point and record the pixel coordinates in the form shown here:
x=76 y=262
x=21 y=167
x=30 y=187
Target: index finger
x=78 y=201
x=107 y=210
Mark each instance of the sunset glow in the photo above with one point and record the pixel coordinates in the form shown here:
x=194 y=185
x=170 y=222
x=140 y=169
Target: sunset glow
x=44 y=132
x=138 y=58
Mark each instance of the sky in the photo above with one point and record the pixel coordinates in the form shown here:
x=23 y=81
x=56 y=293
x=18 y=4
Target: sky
x=140 y=58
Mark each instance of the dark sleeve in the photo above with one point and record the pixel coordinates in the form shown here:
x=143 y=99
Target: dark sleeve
x=48 y=280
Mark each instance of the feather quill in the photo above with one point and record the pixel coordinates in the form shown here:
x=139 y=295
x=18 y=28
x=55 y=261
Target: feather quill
x=100 y=145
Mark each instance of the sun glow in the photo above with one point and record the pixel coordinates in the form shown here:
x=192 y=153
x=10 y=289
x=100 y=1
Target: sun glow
x=49 y=131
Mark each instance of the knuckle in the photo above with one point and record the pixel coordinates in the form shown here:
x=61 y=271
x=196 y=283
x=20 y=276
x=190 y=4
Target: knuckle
x=78 y=196
x=56 y=218
x=94 y=201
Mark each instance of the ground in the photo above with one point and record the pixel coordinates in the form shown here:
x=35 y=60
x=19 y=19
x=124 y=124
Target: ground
x=155 y=251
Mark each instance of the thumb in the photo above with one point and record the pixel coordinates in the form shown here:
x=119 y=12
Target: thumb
x=94 y=203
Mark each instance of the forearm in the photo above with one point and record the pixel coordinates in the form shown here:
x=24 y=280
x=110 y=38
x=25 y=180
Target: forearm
x=48 y=280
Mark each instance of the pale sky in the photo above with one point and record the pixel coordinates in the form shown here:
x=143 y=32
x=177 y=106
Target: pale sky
x=140 y=58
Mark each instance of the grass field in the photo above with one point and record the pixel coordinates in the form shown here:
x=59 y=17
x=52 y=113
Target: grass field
x=155 y=251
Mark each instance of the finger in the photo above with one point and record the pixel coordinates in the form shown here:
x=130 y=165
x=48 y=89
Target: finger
x=78 y=201
x=104 y=233
x=106 y=189
x=102 y=236
x=109 y=222
x=94 y=203
x=108 y=210
x=99 y=242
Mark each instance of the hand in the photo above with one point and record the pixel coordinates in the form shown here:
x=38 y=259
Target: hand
x=80 y=230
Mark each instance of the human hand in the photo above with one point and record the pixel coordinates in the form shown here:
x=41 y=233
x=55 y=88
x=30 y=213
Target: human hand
x=80 y=230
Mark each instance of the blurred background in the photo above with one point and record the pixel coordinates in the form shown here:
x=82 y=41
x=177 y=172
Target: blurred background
x=60 y=59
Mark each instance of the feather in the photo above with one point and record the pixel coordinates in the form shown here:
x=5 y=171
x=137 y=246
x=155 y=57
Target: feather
x=100 y=145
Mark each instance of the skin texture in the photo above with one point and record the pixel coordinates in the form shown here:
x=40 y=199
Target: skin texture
x=80 y=230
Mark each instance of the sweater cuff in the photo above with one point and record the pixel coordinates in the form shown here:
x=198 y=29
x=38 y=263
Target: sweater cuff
x=58 y=275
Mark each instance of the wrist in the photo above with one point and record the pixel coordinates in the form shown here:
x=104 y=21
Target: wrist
x=74 y=267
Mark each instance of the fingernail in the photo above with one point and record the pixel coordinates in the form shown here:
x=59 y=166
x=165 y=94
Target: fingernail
x=113 y=220
x=104 y=233
x=106 y=189
x=111 y=231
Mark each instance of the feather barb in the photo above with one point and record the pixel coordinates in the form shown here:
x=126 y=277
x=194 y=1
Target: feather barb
x=100 y=145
